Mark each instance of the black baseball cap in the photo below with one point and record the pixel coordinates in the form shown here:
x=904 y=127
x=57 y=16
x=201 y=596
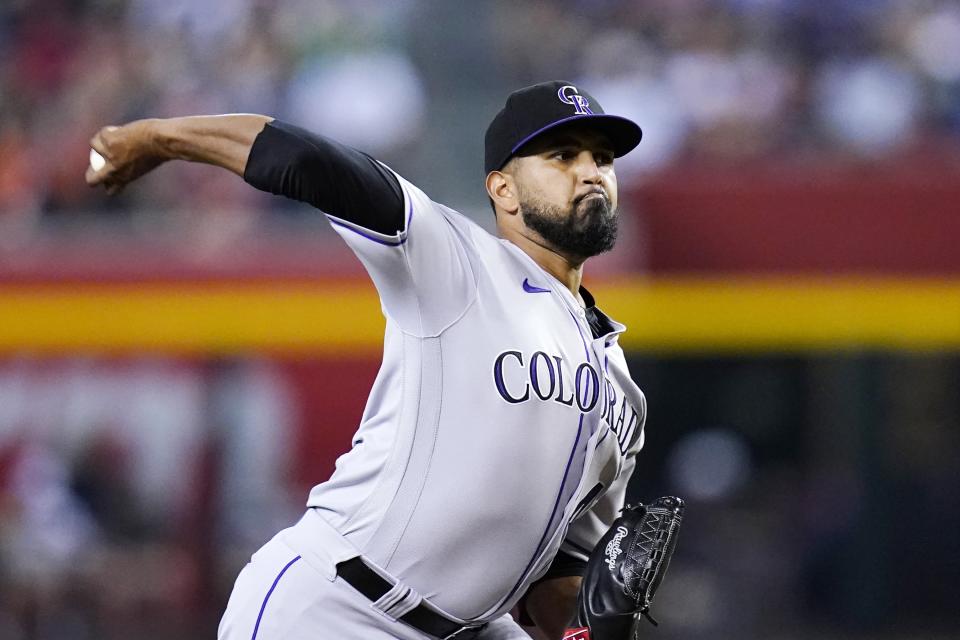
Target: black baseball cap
x=537 y=109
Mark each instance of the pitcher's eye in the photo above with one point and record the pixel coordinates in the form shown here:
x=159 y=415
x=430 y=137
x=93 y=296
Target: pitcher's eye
x=605 y=157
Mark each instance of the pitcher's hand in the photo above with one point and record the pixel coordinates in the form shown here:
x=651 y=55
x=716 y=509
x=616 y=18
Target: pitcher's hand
x=128 y=151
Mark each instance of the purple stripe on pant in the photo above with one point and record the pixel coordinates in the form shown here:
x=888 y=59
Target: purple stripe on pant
x=263 y=606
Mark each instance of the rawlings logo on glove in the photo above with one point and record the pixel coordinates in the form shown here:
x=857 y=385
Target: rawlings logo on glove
x=613 y=547
x=625 y=570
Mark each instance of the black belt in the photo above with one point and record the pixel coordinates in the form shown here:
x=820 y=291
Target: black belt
x=373 y=586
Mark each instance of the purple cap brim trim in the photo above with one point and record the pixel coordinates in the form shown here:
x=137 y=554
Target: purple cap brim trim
x=596 y=116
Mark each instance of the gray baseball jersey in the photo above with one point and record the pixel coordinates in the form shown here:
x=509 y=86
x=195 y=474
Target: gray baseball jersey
x=498 y=431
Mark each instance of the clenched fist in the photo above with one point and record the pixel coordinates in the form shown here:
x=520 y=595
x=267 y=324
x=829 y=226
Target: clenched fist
x=129 y=152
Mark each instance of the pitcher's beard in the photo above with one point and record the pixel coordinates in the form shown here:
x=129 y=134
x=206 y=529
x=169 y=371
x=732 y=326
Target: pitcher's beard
x=584 y=234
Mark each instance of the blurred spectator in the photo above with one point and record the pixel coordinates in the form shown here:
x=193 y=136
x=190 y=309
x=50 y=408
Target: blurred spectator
x=716 y=80
x=869 y=106
x=51 y=529
x=102 y=483
x=373 y=101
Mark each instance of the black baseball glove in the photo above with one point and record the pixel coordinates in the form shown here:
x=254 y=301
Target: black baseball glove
x=625 y=569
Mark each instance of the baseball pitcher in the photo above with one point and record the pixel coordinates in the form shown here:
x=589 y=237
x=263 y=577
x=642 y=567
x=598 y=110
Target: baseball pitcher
x=489 y=469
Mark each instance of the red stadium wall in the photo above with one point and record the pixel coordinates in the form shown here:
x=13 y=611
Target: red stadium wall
x=770 y=259
x=330 y=395
x=813 y=220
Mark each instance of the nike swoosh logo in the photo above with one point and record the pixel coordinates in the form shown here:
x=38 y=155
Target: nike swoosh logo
x=529 y=288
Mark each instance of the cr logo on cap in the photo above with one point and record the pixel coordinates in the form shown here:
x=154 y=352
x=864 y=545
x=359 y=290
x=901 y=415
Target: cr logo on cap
x=569 y=95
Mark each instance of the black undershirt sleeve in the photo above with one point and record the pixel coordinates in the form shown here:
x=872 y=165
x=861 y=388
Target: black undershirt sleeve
x=341 y=181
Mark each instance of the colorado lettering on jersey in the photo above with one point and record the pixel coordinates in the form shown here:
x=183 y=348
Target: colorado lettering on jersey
x=549 y=378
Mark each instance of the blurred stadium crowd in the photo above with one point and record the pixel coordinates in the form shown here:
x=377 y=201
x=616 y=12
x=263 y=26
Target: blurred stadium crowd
x=131 y=490
x=724 y=80
x=122 y=499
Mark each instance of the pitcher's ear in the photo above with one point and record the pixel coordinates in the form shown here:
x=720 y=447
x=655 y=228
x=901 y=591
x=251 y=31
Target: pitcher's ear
x=502 y=189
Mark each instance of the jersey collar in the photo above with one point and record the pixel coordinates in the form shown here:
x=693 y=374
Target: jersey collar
x=600 y=323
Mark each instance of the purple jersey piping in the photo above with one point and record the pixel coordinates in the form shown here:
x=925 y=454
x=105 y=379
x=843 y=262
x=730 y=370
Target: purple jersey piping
x=586 y=349
x=566 y=473
x=263 y=606
x=389 y=243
